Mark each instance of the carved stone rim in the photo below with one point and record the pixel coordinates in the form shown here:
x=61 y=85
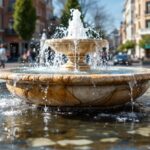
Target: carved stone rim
x=71 y=79
x=65 y=40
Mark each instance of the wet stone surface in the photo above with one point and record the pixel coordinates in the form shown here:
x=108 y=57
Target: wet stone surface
x=25 y=126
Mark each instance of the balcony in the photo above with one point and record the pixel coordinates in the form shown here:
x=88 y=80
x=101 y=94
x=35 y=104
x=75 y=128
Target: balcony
x=1 y=30
x=10 y=32
x=147 y=12
x=145 y=31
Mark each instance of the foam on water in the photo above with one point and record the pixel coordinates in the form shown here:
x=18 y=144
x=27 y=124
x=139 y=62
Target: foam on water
x=6 y=102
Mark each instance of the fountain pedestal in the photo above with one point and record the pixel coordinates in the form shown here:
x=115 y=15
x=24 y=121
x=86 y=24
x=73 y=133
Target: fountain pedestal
x=76 y=62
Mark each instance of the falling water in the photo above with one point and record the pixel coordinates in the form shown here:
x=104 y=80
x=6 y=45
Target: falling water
x=43 y=47
x=76 y=53
x=45 y=91
x=61 y=32
x=132 y=85
x=76 y=29
x=58 y=60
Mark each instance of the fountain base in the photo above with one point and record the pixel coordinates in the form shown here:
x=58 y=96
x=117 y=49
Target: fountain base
x=78 y=66
x=76 y=95
x=97 y=90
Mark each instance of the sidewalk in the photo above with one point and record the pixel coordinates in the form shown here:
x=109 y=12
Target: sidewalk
x=9 y=66
x=12 y=65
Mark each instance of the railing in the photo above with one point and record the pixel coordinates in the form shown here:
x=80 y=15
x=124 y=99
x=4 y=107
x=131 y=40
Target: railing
x=145 y=31
x=147 y=12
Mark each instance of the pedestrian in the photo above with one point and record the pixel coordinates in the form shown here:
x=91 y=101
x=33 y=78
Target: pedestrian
x=104 y=56
x=3 y=56
x=33 y=54
x=29 y=55
x=24 y=57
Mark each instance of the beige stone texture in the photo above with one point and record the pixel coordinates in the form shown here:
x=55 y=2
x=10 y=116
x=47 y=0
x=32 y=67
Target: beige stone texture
x=76 y=90
x=75 y=50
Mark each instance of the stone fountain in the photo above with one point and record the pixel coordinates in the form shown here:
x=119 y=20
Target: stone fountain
x=77 y=85
x=76 y=45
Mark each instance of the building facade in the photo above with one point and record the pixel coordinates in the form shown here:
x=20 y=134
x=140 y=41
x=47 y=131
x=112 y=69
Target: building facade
x=15 y=45
x=114 y=41
x=40 y=6
x=122 y=33
x=128 y=17
x=49 y=11
x=136 y=24
x=1 y=22
x=142 y=24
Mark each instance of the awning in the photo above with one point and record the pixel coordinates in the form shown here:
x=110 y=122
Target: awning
x=147 y=46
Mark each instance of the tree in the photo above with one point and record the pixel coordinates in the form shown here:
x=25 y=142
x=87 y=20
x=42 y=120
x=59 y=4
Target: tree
x=121 y=48
x=130 y=44
x=100 y=19
x=145 y=41
x=88 y=6
x=70 y=4
x=24 y=18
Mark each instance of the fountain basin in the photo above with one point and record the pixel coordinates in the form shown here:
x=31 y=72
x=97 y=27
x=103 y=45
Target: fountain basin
x=101 y=90
x=75 y=50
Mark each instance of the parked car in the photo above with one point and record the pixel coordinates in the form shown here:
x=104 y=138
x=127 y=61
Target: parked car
x=122 y=59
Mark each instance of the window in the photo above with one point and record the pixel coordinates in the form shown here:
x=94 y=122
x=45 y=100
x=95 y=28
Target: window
x=139 y=9
x=147 y=23
x=132 y=1
x=10 y=24
x=1 y=3
x=11 y=5
x=139 y=25
x=12 y=1
x=148 y=7
x=0 y=22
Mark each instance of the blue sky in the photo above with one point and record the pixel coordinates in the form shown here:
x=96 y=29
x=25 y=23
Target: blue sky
x=114 y=8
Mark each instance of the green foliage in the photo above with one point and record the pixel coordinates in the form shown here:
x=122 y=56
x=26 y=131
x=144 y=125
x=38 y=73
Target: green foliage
x=121 y=48
x=144 y=41
x=24 y=18
x=70 y=4
x=130 y=44
x=126 y=46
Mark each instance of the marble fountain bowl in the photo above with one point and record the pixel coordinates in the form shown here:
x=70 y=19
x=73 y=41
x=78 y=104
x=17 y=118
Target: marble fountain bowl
x=102 y=89
x=75 y=50
x=67 y=46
